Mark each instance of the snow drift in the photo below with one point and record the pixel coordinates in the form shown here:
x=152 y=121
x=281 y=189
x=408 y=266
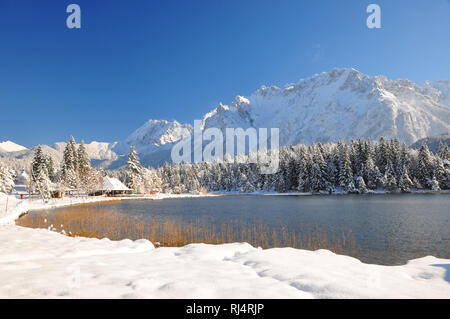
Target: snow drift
x=41 y=264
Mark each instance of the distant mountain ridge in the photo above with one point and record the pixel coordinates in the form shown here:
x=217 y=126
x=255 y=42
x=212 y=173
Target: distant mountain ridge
x=432 y=142
x=342 y=104
x=100 y=153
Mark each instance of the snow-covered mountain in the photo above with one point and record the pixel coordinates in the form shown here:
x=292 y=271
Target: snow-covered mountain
x=100 y=153
x=155 y=135
x=153 y=141
x=342 y=104
x=432 y=142
x=96 y=150
x=8 y=147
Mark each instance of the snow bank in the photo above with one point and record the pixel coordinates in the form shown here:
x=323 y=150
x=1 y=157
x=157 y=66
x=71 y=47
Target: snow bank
x=43 y=264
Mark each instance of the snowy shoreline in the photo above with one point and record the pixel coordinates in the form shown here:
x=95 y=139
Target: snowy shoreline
x=340 y=193
x=38 y=263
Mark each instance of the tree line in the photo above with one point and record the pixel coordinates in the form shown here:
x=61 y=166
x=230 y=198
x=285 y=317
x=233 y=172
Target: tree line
x=361 y=166
x=75 y=174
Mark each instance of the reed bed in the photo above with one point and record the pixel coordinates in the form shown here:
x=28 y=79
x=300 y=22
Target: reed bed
x=90 y=221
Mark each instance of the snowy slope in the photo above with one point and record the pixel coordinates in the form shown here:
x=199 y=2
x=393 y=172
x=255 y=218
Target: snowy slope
x=340 y=104
x=8 y=146
x=154 y=135
x=43 y=264
x=432 y=142
x=95 y=150
x=153 y=141
x=343 y=104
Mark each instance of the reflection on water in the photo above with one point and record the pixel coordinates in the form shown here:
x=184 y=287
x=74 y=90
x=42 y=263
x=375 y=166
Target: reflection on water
x=382 y=229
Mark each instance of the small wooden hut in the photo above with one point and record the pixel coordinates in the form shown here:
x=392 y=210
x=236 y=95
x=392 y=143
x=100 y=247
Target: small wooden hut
x=112 y=187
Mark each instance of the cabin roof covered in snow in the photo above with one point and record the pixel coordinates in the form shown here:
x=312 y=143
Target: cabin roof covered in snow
x=113 y=184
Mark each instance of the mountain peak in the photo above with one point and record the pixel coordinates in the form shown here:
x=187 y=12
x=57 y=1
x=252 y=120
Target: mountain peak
x=341 y=104
x=9 y=146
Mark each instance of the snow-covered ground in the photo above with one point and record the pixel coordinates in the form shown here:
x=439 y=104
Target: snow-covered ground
x=43 y=264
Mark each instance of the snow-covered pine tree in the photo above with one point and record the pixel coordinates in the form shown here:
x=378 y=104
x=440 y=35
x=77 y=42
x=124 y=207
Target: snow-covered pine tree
x=43 y=183
x=39 y=161
x=251 y=183
x=84 y=164
x=287 y=167
x=291 y=169
x=441 y=173
x=225 y=176
x=331 y=166
x=319 y=181
x=390 y=182
x=281 y=181
x=358 y=157
x=361 y=185
x=345 y=170
x=152 y=180
x=73 y=146
x=395 y=158
x=6 y=180
x=370 y=173
x=69 y=166
x=434 y=184
x=278 y=182
x=165 y=174
x=405 y=182
x=425 y=167
x=301 y=168
x=215 y=176
x=85 y=177
x=444 y=153
x=30 y=184
x=51 y=168
x=134 y=170
x=92 y=180
x=381 y=154
x=353 y=153
x=368 y=150
x=405 y=157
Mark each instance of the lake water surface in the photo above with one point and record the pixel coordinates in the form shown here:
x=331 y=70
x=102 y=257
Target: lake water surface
x=382 y=229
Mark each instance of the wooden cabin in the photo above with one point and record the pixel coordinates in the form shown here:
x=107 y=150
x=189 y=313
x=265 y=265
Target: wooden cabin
x=112 y=187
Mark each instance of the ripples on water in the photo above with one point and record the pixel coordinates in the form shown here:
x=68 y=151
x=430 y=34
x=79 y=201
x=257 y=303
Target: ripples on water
x=382 y=229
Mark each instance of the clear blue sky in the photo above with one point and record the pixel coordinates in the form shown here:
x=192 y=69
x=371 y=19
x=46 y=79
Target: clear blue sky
x=133 y=60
